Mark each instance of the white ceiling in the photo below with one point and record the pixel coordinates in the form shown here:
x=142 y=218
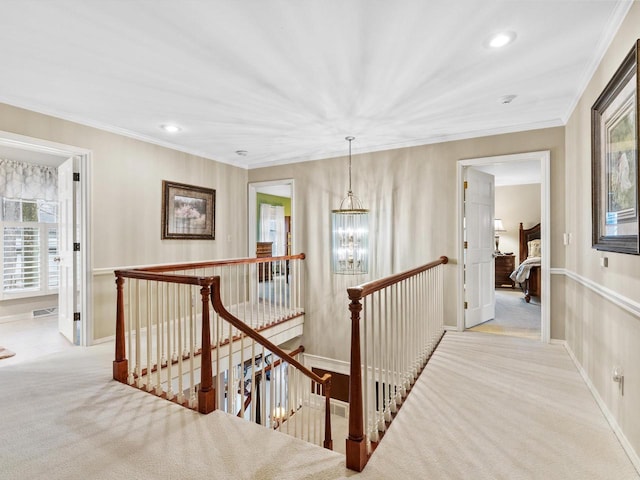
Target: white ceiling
x=288 y=80
x=513 y=173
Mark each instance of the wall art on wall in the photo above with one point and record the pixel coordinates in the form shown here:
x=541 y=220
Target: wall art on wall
x=614 y=160
x=188 y=212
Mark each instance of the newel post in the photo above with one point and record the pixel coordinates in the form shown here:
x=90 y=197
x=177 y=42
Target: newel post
x=206 y=393
x=120 y=364
x=328 y=441
x=356 y=444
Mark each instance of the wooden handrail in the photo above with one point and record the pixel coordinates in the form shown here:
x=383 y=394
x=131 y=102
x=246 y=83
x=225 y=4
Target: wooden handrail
x=356 y=445
x=159 y=277
x=368 y=288
x=218 y=263
x=216 y=300
x=325 y=380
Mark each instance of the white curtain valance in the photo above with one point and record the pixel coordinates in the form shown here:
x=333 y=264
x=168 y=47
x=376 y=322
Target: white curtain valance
x=28 y=181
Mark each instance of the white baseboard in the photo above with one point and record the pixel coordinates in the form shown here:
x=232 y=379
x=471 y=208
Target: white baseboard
x=97 y=341
x=626 y=445
x=15 y=318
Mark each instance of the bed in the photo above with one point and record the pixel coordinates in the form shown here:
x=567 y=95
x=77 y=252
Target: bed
x=527 y=275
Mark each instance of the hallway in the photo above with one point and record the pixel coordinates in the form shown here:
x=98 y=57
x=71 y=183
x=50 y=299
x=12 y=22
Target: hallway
x=485 y=407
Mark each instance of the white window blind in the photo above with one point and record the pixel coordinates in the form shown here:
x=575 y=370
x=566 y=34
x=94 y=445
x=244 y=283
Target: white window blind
x=29 y=246
x=21 y=259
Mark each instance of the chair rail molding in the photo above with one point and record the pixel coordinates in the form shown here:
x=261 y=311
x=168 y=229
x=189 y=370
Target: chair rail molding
x=612 y=296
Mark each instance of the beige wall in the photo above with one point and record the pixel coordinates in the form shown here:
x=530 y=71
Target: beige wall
x=516 y=204
x=126 y=192
x=411 y=193
x=600 y=333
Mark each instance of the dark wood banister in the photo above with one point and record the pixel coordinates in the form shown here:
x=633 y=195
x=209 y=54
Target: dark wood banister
x=356 y=448
x=325 y=380
x=206 y=392
x=368 y=288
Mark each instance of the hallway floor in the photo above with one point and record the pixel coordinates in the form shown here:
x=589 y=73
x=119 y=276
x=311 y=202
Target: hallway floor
x=31 y=339
x=485 y=407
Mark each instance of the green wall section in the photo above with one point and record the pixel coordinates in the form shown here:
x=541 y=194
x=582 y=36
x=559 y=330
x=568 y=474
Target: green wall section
x=271 y=200
x=274 y=200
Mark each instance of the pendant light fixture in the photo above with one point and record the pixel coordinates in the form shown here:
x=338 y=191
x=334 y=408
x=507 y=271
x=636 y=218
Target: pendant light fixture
x=350 y=233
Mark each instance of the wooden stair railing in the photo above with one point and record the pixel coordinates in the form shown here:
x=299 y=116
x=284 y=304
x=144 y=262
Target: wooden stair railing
x=121 y=371
x=324 y=381
x=403 y=323
x=170 y=320
x=199 y=274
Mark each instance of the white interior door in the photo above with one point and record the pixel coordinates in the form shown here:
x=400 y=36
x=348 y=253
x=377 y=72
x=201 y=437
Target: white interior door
x=67 y=287
x=479 y=203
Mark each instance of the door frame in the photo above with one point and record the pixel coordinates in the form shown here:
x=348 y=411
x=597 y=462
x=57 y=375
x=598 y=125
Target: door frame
x=253 y=213
x=84 y=276
x=544 y=157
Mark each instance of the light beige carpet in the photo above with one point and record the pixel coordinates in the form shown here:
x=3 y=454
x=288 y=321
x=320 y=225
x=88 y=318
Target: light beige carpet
x=513 y=316
x=5 y=353
x=486 y=407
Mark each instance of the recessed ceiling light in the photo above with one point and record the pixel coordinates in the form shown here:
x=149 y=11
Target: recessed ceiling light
x=168 y=127
x=242 y=153
x=501 y=39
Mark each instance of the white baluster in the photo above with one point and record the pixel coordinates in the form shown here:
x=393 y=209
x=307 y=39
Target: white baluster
x=159 y=338
x=170 y=331
x=179 y=322
x=230 y=381
x=192 y=349
x=138 y=339
x=129 y=326
x=149 y=337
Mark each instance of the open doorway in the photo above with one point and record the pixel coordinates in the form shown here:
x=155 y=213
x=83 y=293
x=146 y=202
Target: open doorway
x=521 y=196
x=271 y=218
x=271 y=224
x=44 y=242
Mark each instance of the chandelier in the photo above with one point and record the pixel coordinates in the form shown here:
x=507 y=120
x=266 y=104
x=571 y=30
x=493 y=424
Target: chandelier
x=350 y=233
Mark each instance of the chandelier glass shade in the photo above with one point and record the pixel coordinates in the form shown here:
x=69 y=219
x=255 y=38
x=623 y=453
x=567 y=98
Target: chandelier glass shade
x=350 y=233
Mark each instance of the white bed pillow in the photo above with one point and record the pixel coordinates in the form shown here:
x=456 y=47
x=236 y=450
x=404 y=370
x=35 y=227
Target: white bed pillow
x=534 y=248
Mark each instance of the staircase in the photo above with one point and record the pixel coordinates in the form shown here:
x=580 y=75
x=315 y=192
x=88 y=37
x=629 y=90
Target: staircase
x=206 y=336
x=177 y=338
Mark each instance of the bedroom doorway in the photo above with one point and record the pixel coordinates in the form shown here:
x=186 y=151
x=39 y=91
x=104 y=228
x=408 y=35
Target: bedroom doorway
x=520 y=175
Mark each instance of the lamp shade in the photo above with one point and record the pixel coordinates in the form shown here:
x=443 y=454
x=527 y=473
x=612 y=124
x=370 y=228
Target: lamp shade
x=498 y=226
x=350 y=254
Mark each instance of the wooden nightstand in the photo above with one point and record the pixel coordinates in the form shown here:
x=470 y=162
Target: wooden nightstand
x=505 y=264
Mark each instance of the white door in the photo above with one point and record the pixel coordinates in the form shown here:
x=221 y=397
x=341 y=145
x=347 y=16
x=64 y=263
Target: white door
x=479 y=236
x=66 y=289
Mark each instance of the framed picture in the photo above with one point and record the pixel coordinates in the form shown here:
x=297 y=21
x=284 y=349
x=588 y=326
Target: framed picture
x=188 y=212
x=614 y=160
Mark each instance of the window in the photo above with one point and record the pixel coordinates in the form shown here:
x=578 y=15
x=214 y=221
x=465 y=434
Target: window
x=29 y=247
